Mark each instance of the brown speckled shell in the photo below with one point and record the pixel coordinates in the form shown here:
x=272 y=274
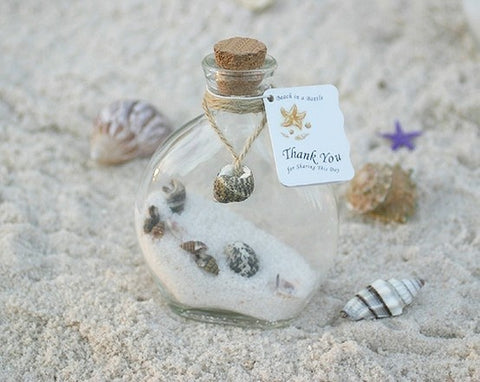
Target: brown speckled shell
x=230 y=187
x=383 y=192
x=127 y=129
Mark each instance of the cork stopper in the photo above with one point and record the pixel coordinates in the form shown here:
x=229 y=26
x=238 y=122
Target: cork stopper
x=237 y=55
x=240 y=53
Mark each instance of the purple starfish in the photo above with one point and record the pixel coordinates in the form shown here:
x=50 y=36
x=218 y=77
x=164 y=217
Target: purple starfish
x=400 y=138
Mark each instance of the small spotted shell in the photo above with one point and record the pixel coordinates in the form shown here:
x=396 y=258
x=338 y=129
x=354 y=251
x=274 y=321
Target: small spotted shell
x=241 y=259
x=384 y=192
x=175 y=195
x=127 y=129
x=382 y=299
x=230 y=186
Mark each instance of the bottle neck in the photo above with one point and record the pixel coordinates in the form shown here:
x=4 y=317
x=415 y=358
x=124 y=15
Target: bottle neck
x=233 y=101
x=232 y=104
x=236 y=120
x=240 y=83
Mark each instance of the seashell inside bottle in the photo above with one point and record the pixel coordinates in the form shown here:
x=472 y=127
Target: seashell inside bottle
x=234 y=250
x=126 y=129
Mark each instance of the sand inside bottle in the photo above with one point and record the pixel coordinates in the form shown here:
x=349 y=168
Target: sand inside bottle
x=278 y=291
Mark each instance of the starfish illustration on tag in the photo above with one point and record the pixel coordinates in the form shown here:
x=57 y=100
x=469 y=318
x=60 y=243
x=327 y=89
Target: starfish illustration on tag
x=293 y=119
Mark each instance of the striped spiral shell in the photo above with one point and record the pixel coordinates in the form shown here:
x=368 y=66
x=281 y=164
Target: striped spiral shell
x=230 y=186
x=383 y=192
x=382 y=299
x=194 y=246
x=127 y=129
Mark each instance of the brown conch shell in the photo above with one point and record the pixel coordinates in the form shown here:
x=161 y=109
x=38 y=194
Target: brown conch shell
x=127 y=129
x=383 y=192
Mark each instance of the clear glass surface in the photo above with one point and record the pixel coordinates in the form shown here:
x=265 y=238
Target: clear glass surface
x=293 y=231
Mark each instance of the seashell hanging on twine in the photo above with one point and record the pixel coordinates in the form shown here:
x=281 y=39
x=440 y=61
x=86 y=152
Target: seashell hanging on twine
x=230 y=186
x=199 y=250
x=383 y=192
x=175 y=195
x=382 y=299
x=241 y=259
x=126 y=129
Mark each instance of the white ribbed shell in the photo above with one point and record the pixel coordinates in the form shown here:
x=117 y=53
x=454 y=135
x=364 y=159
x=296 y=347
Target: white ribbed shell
x=127 y=129
x=382 y=299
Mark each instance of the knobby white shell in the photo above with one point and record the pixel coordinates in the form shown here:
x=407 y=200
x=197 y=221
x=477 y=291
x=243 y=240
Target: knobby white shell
x=382 y=299
x=126 y=129
x=383 y=192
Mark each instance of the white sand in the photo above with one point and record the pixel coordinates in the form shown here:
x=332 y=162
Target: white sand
x=258 y=296
x=76 y=299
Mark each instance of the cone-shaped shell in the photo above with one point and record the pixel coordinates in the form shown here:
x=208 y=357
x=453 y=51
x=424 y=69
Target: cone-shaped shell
x=207 y=263
x=199 y=250
x=382 y=299
x=194 y=246
x=127 y=129
x=383 y=192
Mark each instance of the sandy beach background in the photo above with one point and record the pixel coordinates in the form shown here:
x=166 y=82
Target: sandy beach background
x=76 y=300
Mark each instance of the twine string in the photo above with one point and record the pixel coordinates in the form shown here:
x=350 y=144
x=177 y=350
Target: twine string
x=238 y=106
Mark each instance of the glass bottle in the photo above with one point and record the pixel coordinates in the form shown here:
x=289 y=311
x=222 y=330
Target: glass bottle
x=255 y=262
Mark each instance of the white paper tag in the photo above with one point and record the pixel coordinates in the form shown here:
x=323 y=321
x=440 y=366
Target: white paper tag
x=306 y=130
